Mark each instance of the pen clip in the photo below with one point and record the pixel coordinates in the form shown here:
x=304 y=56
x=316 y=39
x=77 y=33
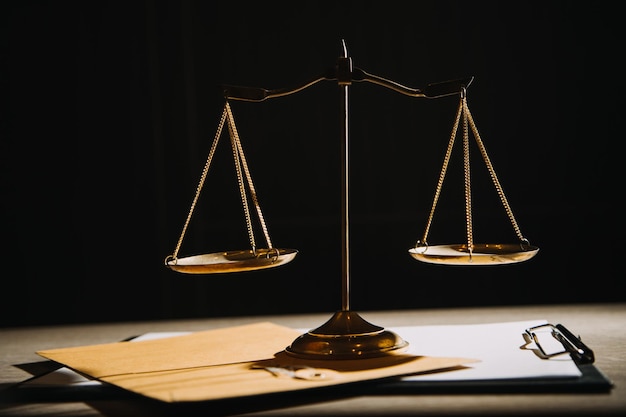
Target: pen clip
x=579 y=352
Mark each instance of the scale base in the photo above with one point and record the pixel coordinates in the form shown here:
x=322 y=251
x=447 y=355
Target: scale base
x=346 y=336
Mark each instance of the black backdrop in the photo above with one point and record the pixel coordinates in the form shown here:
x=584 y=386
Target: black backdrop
x=109 y=110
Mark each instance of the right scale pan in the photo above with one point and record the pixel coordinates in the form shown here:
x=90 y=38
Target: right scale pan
x=481 y=254
x=471 y=253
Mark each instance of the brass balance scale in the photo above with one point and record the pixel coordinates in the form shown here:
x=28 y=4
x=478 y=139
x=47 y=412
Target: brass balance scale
x=346 y=335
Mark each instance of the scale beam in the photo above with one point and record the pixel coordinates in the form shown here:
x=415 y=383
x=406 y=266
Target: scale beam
x=345 y=76
x=433 y=90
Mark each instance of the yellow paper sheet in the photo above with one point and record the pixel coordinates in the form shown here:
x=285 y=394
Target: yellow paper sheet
x=231 y=362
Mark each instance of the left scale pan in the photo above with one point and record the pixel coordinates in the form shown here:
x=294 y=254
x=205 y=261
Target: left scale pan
x=231 y=261
x=251 y=259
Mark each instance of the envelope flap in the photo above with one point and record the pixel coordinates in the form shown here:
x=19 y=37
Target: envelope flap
x=245 y=343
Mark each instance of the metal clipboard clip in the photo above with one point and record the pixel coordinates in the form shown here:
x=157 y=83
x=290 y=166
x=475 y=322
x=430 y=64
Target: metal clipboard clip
x=567 y=343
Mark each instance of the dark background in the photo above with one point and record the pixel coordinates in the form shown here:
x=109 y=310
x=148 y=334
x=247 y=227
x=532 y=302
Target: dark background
x=109 y=110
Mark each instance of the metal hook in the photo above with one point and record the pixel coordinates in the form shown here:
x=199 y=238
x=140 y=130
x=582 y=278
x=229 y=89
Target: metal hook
x=170 y=258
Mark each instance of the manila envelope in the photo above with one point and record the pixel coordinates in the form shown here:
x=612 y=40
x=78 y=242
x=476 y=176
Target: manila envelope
x=230 y=362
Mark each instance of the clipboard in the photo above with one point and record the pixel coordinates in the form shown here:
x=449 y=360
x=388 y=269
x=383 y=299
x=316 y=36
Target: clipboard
x=547 y=341
x=592 y=380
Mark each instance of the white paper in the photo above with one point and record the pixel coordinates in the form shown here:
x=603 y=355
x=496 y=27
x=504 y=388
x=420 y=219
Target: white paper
x=500 y=347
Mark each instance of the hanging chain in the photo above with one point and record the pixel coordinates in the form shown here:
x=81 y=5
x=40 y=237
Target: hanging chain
x=442 y=175
x=494 y=177
x=466 y=170
x=241 y=163
x=205 y=171
x=464 y=112
x=241 y=168
x=234 y=138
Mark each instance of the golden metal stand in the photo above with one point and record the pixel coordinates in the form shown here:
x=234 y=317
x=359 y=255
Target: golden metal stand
x=346 y=335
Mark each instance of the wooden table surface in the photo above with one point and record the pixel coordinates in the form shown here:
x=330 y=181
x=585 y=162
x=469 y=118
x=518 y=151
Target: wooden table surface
x=601 y=326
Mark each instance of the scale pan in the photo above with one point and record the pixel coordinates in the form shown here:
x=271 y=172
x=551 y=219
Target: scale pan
x=232 y=261
x=483 y=254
